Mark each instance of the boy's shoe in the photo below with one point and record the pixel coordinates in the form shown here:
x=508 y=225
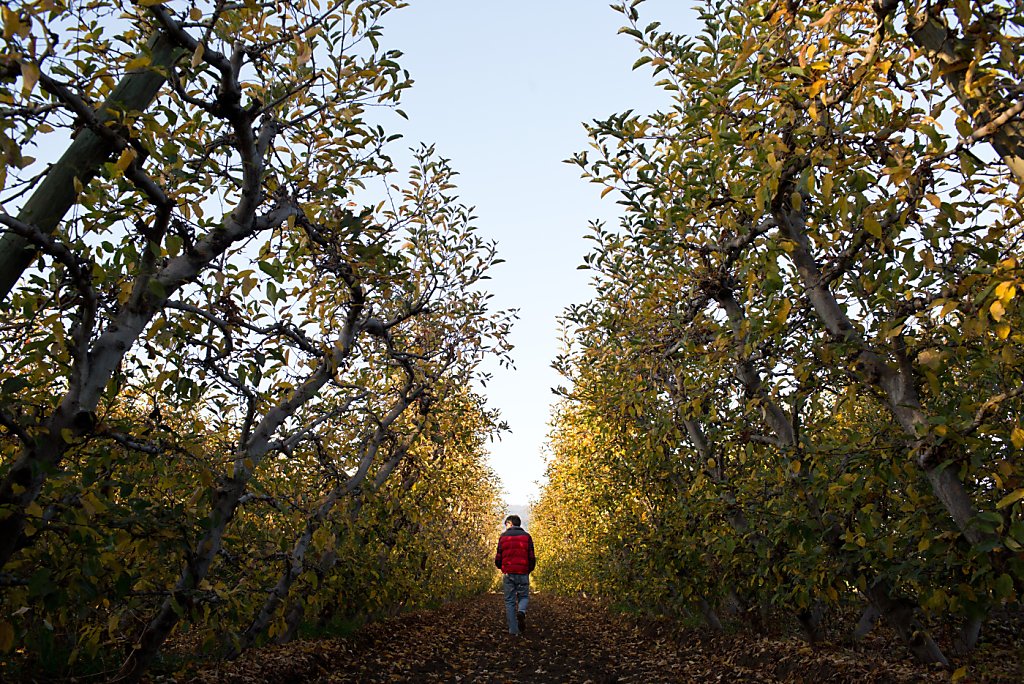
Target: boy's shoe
x=521 y=620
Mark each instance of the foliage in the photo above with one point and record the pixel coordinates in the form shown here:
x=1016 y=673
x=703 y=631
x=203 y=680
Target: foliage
x=234 y=380
x=801 y=369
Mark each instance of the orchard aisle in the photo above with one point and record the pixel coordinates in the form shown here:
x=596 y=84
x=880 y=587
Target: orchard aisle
x=567 y=640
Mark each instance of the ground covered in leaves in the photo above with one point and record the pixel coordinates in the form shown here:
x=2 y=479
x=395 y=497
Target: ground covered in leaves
x=580 y=640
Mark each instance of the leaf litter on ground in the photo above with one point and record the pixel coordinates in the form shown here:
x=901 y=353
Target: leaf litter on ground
x=576 y=640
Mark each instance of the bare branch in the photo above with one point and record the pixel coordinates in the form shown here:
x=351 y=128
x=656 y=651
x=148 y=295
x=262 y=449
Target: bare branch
x=989 y=406
x=288 y=331
x=13 y=427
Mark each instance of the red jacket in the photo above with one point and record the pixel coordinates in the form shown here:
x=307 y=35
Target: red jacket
x=515 y=552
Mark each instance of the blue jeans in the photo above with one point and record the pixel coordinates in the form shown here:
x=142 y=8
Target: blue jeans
x=517 y=596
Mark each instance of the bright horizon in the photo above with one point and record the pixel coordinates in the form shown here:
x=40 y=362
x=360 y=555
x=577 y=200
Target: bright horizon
x=503 y=89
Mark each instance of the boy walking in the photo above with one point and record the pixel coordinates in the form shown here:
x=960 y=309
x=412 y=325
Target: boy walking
x=516 y=560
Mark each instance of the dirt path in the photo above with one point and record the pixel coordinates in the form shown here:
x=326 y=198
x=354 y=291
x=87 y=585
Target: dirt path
x=567 y=641
x=563 y=642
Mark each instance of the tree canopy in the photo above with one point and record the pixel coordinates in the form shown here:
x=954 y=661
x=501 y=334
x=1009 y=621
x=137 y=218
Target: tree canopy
x=799 y=381
x=238 y=344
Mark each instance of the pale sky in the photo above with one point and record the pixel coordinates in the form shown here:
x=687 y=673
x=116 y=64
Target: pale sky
x=502 y=89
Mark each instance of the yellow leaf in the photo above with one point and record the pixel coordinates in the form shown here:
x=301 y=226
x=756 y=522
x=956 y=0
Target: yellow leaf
x=93 y=502
x=899 y=174
x=1006 y=291
x=195 y=14
x=151 y=3
x=34 y=509
x=1003 y=331
x=12 y=23
x=923 y=545
x=6 y=636
x=138 y=63
x=125 y=160
x=997 y=310
x=1010 y=498
x=197 y=56
x=872 y=225
x=29 y=77
x=827 y=17
x=826 y=186
x=1017 y=437
x=934 y=199
x=607 y=190
x=784 y=311
x=959 y=674
x=894 y=331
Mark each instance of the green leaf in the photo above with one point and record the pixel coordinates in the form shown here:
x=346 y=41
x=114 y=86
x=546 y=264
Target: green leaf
x=15 y=384
x=1004 y=587
x=640 y=62
x=41 y=583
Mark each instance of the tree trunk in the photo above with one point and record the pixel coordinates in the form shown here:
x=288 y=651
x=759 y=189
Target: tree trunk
x=74 y=416
x=181 y=598
x=296 y=563
x=967 y=638
x=23 y=481
x=866 y=623
x=776 y=419
x=898 y=385
x=82 y=160
x=901 y=617
x=810 y=622
x=710 y=616
x=225 y=502
x=293 y=617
